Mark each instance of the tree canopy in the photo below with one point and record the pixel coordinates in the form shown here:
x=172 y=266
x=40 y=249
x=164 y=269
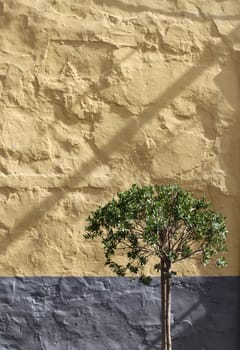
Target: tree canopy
x=164 y=221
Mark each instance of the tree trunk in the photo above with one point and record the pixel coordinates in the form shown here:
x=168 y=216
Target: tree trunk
x=163 y=309
x=166 y=305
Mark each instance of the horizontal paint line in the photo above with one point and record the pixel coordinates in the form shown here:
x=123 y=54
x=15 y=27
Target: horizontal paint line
x=99 y=274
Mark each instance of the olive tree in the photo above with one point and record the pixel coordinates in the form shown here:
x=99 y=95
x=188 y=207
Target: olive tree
x=165 y=222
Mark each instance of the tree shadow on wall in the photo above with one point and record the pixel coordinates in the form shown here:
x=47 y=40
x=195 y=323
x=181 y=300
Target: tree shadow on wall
x=116 y=313
x=126 y=134
x=206 y=316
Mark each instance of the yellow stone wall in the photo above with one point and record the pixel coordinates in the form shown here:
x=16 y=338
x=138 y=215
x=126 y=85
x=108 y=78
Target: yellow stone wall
x=96 y=95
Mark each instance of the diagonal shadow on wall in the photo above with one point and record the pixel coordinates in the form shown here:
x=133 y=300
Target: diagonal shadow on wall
x=106 y=313
x=34 y=216
x=155 y=344
x=205 y=316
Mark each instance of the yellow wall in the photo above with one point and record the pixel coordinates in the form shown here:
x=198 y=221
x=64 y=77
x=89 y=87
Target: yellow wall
x=97 y=95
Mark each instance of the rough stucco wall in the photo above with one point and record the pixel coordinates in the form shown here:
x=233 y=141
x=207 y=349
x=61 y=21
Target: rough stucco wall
x=75 y=313
x=97 y=95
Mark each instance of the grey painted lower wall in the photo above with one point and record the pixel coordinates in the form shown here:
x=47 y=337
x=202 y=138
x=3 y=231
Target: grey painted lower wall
x=75 y=313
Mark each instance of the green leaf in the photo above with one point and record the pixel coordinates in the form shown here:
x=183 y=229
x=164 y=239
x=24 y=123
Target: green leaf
x=157 y=267
x=161 y=221
x=221 y=262
x=145 y=280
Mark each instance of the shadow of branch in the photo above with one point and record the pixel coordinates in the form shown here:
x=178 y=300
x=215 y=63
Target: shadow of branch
x=34 y=216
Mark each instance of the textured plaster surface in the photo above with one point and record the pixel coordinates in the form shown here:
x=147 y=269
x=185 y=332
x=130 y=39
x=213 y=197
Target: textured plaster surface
x=97 y=95
x=116 y=313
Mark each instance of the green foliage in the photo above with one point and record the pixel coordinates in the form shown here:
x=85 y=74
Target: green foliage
x=161 y=221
